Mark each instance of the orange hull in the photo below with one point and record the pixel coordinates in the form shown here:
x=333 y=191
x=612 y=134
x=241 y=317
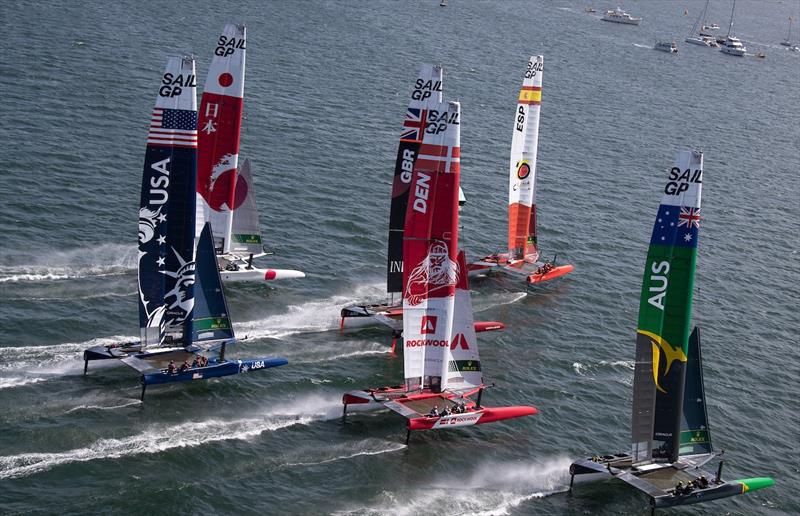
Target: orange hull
x=557 y=272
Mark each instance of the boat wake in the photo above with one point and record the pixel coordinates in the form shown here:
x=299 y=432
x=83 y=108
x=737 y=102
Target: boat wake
x=159 y=438
x=26 y=365
x=503 y=486
x=335 y=351
x=310 y=317
x=103 y=260
x=347 y=451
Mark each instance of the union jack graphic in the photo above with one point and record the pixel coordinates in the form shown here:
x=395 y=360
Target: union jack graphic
x=689 y=217
x=413 y=125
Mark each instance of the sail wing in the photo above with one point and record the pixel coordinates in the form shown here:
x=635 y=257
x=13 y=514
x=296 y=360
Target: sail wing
x=167 y=208
x=211 y=320
x=218 y=131
x=695 y=435
x=427 y=91
x=463 y=364
x=246 y=235
x=665 y=314
x=522 y=170
x=430 y=247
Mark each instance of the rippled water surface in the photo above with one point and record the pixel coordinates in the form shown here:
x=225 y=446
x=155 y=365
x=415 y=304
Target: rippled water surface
x=324 y=101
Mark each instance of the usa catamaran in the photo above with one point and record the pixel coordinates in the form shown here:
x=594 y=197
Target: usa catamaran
x=441 y=362
x=183 y=316
x=670 y=435
x=226 y=193
x=420 y=118
x=523 y=252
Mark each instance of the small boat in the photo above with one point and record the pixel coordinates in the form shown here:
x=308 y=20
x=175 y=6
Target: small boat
x=589 y=9
x=441 y=366
x=226 y=193
x=522 y=257
x=788 y=41
x=183 y=314
x=670 y=436
x=619 y=16
x=702 y=37
x=666 y=46
x=732 y=45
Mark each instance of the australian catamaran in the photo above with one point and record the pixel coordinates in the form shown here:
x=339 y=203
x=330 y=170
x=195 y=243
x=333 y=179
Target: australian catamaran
x=441 y=362
x=670 y=435
x=182 y=310
x=421 y=119
x=225 y=191
x=523 y=252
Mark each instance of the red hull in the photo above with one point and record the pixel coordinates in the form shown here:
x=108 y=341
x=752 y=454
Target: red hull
x=553 y=274
x=478 y=417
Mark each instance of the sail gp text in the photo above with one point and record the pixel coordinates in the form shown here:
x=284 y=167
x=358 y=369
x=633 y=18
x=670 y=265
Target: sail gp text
x=679 y=182
x=437 y=121
x=227 y=46
x=173 y=85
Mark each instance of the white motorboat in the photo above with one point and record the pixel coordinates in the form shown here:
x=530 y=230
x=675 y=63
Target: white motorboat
x=733 y=46
x=619 y=16
x=666 y=46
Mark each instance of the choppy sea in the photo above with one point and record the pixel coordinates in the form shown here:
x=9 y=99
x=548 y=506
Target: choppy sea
x=326 y=83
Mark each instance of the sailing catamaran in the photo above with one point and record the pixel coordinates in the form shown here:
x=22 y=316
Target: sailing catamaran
x=523 y=251
x=421 y=116
x=182 y=310
x=226 y=193
x=670 y=435
x=441 y=362
x=696 y=37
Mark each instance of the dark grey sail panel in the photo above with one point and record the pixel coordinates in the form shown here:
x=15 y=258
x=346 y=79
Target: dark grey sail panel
x=644 y=401
x=695 y=434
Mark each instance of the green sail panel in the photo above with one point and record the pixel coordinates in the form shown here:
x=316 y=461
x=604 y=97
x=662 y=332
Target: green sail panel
x=665 y=311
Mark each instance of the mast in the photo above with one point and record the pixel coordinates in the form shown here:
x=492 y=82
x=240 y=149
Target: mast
x=522 y=170
x=665 y=314
x=730 y=26
x=218 y=131
x=167 y=209
x=427 y=91
x=430 y=248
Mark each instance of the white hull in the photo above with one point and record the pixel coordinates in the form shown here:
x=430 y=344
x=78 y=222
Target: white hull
x=732 y=51
x=706 y=42
x=259 y=275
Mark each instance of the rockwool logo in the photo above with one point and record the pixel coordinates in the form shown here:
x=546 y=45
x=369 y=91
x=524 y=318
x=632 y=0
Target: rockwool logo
x=428 y=324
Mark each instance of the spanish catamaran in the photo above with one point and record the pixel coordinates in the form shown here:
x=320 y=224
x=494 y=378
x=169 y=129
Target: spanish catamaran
x=441 y=362
x=523 y=256
x=226 y=193
x=670 y=434
x=183 y=315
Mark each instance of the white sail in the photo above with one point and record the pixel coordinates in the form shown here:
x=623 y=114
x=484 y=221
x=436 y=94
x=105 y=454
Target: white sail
x=522 y=169
x=463 y=365
x=219 y=125
x=246 y=230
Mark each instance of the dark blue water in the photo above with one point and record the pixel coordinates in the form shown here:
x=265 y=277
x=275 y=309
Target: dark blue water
x=324 y=99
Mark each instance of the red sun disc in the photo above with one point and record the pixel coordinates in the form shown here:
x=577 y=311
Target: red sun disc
x=225 y=79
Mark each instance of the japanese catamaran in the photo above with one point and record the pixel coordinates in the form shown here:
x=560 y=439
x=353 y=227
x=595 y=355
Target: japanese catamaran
x=183 y=316
x=670 y=434
x=441 y=362
x=226 y=193
x=420 y=118
x=523 y=256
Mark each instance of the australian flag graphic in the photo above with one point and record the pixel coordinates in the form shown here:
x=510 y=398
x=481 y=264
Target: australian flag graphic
x=676 y=225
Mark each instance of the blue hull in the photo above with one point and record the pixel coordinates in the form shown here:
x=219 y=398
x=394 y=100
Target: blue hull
x=213 y=370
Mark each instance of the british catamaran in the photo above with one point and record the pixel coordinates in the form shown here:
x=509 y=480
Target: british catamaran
x=421 y=117
x=523 y=256
x=441 y=362
x=226 y=193
x=183 y=316
x=670 y=434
